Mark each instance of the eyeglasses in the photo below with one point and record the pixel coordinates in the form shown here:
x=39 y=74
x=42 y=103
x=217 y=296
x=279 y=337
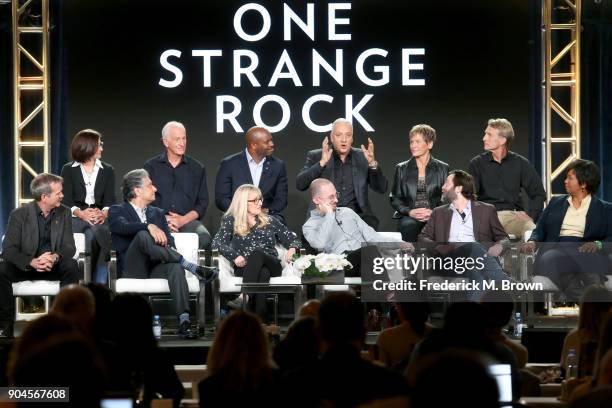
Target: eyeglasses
x=256 y=200
x=331 y=197
x=101 y=144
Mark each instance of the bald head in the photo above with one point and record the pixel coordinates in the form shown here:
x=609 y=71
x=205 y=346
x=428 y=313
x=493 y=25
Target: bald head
x=320 y=185
x=259 y=142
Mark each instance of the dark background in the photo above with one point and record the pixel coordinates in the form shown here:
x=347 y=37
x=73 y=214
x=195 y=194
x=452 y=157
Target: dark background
x=476 y=67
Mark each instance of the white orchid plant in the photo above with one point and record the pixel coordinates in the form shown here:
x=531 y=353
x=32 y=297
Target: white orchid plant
x=321 y=265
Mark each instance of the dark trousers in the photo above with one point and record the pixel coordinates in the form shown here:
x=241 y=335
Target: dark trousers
x=97 y=243
x=260 y=268
x=571 y=271
x=197 y=227
x=66 y=271
x=410 y=228
x=145 y=259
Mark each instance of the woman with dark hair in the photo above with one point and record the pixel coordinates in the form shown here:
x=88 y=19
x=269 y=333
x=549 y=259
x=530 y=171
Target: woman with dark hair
x=571 y=233
x=417 y=184
x=89 y=189
x=240 y=367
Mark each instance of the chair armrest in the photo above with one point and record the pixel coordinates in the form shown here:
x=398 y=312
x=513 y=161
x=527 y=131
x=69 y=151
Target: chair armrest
x=83 y=262
x=112 y=270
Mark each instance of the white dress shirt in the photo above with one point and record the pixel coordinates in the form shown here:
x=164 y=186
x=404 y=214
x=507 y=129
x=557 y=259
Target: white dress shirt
x=255 y=168
x=462 y=229
x=90 y=183
x=142 y=213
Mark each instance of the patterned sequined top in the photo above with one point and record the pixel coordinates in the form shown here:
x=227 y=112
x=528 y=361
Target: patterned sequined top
x=232 y=245
x=422 y=199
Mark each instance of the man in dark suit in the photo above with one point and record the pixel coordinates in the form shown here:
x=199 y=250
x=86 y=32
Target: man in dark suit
x=38 y=245
x=145 y=246
x=467 y=228
x=180 y=180
x=351 y=170
x=255 y=165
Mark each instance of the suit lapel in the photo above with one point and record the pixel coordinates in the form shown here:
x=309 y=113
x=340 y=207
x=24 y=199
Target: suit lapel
x=98 y=188
x=591 y=213
x=266 y=174
x=55 y=228
x=244 y=165
x=447 y=217
x=476 y=215
x=355 y=164
x=33 y=215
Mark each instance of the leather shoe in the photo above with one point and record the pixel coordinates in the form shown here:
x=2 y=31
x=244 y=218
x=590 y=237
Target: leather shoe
x=186 y=332
x=206 y=273
x=237 y=303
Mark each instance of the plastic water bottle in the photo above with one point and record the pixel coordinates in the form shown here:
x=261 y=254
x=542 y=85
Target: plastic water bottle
x=571 y=364
x=518 y=325
x=157 y=327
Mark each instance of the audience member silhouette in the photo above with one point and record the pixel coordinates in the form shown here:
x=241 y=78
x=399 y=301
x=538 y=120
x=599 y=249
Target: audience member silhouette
x=300 y=346
x=140 y=365
x=453 y=379
x=240 y=366
x=341 y=377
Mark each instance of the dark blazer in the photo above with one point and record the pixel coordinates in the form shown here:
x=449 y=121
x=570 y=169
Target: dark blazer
x=404 y=189
x=21 y=239
x=598 y=221
x=124 y=223
x=487 y=227
x=74 y=186
x=234 y=171
x=363 y=176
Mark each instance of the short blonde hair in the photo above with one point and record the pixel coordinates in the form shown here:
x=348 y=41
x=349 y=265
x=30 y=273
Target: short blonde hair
x=238 y=210
x=428 y=133
x=504 y=127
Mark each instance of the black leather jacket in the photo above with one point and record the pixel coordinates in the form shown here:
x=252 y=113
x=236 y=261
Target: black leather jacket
x=404 y=189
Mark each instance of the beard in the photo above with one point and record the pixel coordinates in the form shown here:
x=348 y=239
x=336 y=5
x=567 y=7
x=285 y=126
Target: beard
x=448 y=197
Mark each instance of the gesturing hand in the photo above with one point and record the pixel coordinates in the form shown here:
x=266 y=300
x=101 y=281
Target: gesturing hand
x=326 y=152
x=369 y=152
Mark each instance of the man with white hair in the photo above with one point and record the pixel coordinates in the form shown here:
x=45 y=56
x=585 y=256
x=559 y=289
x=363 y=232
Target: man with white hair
x=350 y=170
x=339 y=230
x=181 y=184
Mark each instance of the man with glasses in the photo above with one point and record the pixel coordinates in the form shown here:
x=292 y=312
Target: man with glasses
x=350 y=170
x=339 y=230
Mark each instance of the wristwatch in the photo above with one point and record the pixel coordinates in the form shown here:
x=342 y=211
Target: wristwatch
x=373 y=165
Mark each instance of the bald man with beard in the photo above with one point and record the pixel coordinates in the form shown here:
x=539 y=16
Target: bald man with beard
x=254 y=165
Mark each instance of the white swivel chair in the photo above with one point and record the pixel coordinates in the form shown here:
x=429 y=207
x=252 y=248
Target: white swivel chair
x=186 y=245
x=47 y=289
x=227 y=283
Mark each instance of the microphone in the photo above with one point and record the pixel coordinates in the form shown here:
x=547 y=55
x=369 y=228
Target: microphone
x=336 y=217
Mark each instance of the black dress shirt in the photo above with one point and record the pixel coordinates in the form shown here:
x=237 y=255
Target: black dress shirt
x=500 y=183
x=44 y=232
x=180 y=189
x=342 y=177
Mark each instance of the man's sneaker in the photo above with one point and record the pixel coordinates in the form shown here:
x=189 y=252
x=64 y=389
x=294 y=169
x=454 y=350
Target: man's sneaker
x=237 y=303
x=186 y=332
